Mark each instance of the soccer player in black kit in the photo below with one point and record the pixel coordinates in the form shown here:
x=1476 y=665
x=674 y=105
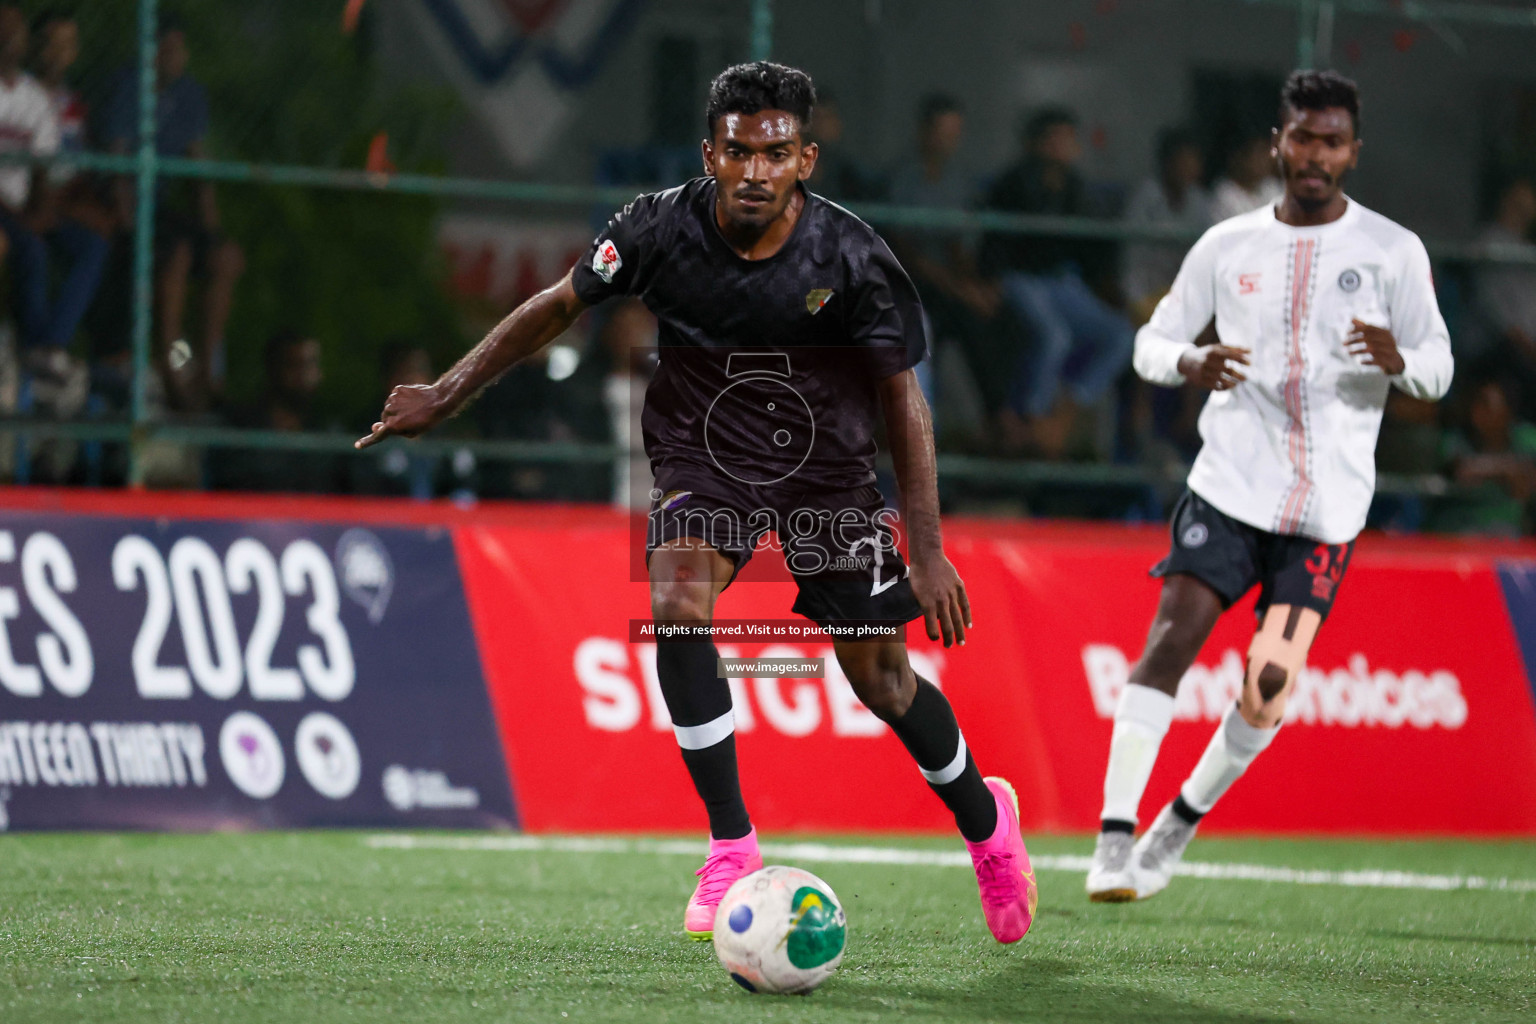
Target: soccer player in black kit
x=786 y=328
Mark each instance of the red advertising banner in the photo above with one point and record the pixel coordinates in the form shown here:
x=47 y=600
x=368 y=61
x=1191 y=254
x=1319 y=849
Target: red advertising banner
x=1414 y=715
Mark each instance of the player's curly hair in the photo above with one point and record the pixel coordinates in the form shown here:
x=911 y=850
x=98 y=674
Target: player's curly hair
x=760 y=85
x=1320 y=90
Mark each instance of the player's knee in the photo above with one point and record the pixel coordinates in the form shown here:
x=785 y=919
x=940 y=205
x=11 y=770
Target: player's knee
x=1261 y=713
x=1271 y=681
x=884 y=684
x=679 y=604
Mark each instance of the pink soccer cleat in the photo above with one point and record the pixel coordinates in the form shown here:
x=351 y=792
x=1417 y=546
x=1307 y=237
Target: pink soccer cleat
x=728 y=860
x=1003 y=872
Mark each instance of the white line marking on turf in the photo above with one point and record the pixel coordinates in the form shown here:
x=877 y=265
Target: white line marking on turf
x=827 y=854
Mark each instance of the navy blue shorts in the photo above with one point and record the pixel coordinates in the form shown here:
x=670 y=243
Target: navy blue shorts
x=1231 y=557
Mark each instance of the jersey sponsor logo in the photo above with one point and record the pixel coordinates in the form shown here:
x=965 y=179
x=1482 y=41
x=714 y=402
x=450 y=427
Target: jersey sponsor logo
x=1349 y=281
x=606 y=261
x=1353 y=695
x=1194 y=535
x=1247 y=284
x=817 y=298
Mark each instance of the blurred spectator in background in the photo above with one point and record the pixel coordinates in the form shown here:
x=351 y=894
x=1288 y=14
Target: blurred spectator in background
x=188 y=240
x=1176 y=199
x=962 y=307
x=1250 y=181
x=57 y=39
x=838 y=176
x=1506 y=294
x=1493 y=452
x=1076 y=338
x=81 y=196
x=629 y=337
x=294 y=374
x=34 y=230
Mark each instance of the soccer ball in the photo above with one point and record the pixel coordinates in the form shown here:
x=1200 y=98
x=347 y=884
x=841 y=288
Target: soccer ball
x=780 y=930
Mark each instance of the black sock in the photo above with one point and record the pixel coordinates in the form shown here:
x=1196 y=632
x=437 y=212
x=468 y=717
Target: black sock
x=1117 y=825
x=932 y=737
x=1186 y=813
x=699 y=702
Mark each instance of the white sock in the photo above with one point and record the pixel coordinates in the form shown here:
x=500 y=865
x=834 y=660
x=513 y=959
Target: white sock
x=1141 y=722
x=1230 y=752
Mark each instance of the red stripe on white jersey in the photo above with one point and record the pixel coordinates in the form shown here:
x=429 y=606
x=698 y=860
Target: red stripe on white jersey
x=1302 y=266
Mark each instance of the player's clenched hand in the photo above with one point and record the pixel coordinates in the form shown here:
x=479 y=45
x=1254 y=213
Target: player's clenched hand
x=1214 y=366
x=409 y=410
x=1374 y=346
x=941 y=593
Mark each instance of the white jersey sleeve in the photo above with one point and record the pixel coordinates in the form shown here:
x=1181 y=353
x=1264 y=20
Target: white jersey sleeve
x=1179 y=318
x=1418 y=327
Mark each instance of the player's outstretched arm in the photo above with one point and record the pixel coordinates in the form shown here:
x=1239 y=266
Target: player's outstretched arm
x=936 y=584
x=414 y=408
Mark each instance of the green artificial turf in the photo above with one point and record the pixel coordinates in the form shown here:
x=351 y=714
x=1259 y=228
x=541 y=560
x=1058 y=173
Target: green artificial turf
x=316 y=927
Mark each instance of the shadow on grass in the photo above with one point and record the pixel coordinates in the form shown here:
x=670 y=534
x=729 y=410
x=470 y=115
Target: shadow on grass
x=1045 y=988
x=1436 y=937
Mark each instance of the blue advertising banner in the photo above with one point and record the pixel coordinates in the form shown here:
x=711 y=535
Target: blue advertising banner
x=207 y=674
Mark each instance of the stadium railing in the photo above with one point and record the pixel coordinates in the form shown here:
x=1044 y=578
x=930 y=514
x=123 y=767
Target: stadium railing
x=149 y=170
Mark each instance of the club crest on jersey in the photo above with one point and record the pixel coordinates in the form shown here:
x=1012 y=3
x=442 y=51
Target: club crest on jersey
x=816 y=298
x=1195 y=535
x=1349 y=280
x=606 y=261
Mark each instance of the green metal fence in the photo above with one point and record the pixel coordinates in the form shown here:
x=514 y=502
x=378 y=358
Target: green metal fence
x=1315 y=20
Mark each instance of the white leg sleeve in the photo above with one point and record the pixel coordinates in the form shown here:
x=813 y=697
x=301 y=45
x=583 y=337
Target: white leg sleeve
x=1141 y=722
x=1230 y=752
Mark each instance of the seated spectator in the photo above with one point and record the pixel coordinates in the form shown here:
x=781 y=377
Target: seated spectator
x=81 y=197
x=962 y=306
x=1494 y=454
x=34 y=230
x=188 y=240
x=1076 y=338
x=1250 y=181
x=1175 y=198
x=1506 y=294
x=837 y=175
x=293 y=377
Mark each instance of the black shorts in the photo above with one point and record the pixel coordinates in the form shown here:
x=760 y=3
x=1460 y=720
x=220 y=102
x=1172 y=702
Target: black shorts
x=1230 y=557
x=840 y=546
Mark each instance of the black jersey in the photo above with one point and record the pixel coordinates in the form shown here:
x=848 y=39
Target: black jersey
x=767 y=367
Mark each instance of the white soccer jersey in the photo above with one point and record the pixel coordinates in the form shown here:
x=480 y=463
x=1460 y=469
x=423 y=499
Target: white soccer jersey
x=1292 y=450
x=28 y=124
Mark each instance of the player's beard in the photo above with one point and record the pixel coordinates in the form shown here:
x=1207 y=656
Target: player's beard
x=1312 y=204
x=758 y=219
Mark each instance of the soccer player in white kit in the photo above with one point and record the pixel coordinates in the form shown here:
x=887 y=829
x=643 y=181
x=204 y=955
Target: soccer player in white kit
x=1320 y=307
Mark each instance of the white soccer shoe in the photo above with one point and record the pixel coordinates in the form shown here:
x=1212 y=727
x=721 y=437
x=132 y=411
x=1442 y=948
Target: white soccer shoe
x=1159 y=851
x=1109 y=877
